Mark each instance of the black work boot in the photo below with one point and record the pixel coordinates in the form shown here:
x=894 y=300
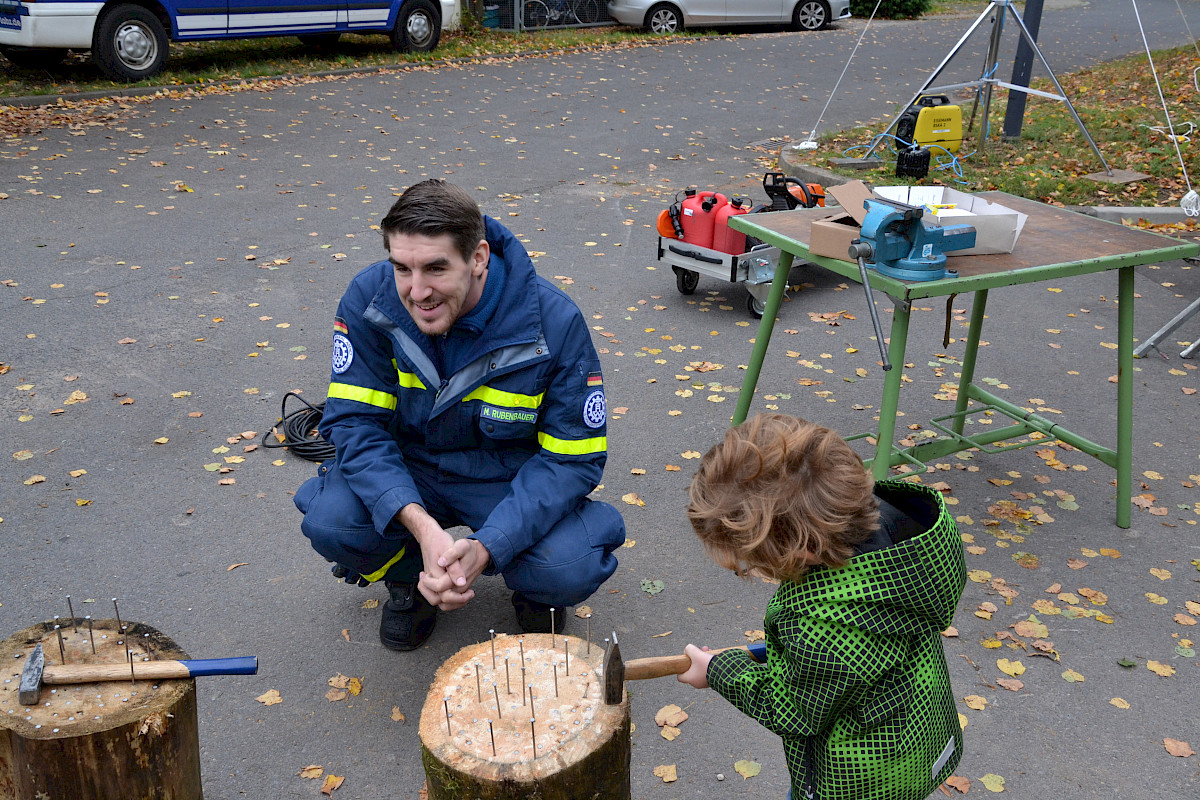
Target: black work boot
x=535 y=617
x=408 y=619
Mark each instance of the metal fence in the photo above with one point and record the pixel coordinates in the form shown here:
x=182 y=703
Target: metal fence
x=519 y=15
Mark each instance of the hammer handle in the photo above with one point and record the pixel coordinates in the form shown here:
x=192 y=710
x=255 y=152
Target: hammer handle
x=148 y=670
x=661 y=666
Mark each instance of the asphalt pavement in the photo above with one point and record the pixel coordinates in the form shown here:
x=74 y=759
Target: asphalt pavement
x=170 y=268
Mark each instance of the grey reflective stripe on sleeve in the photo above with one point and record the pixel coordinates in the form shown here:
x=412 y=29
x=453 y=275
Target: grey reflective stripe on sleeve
x=497 y=362
x=412 y=352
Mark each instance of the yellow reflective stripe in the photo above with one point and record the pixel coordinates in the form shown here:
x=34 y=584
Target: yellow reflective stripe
x=407 y=380
x=510 y=399
x=372 y=397
x=573 y=447
x=378 y=574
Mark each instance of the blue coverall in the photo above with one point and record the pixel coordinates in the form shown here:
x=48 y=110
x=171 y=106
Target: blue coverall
x=498 y=425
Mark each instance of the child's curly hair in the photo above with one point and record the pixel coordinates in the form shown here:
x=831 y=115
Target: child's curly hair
x=779 y=494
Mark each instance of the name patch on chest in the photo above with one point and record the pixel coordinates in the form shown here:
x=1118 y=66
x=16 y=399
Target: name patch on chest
x=507 y=414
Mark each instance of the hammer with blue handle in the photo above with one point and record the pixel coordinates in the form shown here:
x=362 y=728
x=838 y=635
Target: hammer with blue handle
x=37 y=673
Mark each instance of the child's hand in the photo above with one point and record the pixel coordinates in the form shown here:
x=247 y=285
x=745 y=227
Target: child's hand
x=697 y=673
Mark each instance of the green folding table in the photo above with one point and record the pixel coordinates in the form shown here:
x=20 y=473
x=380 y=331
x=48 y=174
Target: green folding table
x=1054 y=244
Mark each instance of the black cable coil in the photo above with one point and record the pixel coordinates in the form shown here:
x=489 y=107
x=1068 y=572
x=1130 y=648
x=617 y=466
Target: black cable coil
x=299 y=431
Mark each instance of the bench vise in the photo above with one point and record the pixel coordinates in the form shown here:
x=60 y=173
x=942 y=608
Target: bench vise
x=897 y=243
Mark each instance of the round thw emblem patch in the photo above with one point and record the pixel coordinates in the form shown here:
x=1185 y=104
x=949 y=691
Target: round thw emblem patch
x=343 y=353
x=594 y=409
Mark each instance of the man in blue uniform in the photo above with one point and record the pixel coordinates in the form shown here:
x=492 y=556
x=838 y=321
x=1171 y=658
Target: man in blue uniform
x=465 y=391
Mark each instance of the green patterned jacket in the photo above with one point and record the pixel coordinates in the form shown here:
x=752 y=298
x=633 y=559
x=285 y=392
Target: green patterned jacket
x=855 y=680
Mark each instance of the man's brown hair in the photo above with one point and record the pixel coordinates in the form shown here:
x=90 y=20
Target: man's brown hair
x=432 y=208
x=778 y=494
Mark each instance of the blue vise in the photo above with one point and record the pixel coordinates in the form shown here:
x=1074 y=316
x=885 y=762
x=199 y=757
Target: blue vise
x=896 y=242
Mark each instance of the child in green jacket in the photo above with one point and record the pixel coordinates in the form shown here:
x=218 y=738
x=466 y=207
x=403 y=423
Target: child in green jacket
x=855 y=680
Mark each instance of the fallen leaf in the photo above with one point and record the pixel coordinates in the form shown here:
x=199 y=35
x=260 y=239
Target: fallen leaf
x=1013 y=668
x=232 y=567
x=669 y=733
x=633 y=499
x=77 y=473
x=671 y=715
x=1177 y=748
x=652 y=587
x=992 y=782
x=1163 y=670
x=346 y=634
x=334 y=695
x=23 y=455
x=332 y=782
x=747 y=769
x=370 y=604
x=975 y=701
x=958 y=782
x=1071 y=676
x=355 y=686
x=1119 y=702
x=667 y=773
x=35 y=479
x=1161 y=574
x=270 y=698
x=311 y=771
x=1184 y=619
x=756 y=636
x=1012 y=684
x=339 y=681
x=660 y=635
x=397 y=714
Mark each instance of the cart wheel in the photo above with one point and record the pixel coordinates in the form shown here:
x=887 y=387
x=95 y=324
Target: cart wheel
x=686 y=280
x=755 y=306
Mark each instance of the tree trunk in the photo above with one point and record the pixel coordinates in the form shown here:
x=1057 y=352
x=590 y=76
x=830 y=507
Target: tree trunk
x=116 y=740
x=563 y=743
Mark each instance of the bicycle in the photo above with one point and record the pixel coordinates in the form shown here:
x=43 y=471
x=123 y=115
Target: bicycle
x=545 y=13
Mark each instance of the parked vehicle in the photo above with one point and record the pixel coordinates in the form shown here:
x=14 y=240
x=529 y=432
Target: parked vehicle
x=669 y=16
x=129 y=38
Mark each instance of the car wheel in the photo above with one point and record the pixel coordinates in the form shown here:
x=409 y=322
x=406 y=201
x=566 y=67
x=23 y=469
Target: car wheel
x=811 y=15
x=664 y=18
x=130 y=43
x=418 y=27
x=319 y=40
x=686 y=280
x=34 y=58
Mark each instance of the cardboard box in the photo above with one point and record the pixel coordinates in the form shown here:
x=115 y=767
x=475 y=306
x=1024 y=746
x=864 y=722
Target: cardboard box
x=996 y=227
x=832 y=235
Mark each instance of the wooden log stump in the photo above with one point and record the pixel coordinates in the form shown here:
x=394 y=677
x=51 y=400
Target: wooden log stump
x=117 y=740
x=575 y=748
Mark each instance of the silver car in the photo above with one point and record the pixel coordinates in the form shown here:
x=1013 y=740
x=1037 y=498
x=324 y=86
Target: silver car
x=669 y=16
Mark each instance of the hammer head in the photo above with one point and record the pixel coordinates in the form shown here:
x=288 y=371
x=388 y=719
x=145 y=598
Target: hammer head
x=614 y=674
x=31 y=677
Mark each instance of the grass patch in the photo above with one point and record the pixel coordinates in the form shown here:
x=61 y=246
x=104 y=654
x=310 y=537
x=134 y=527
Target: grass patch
x=1119 y=105
x=235 y=60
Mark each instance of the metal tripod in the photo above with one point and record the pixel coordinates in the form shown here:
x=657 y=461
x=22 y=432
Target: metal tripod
x=987 y=78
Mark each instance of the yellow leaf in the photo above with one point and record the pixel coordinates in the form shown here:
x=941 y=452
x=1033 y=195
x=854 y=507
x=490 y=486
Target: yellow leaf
x=1152 y=475
x=746 y=768
x=270 y=698
x=979 y=575
x=1013 y=668
x=660 y=635
x=397 y=714
x=1157 y=599
x=35 y=479
x=671 y=468
x=1071 y=676
x=1161 y=574
x=181 y=394
x=1164 y=670
x=667 y=773
x=629 y=543
x=23 y=455
x=671 y=715
x=370 y=604
x=690 y=454
x=1108 y=551
x=1119 y=702
x=355 y=686
x=161 y=440
x=637 y=471
x=77 y=473
x=669 y=733
x=1184 y=619
x=332 y=782
x=633 y=499
x=756 y=636
x=977 y=702
x=311 y=771
x=81 y=502
x=991 y=781
x=583 y=611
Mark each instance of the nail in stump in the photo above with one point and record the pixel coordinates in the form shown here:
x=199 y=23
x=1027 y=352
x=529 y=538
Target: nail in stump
x=478 y=690
x=588 y=622
x=91 y=633
x=533 y=735
x=61 y=650
x=72 y=610
x=507 y=680
x=117 y=611
x=556 y=680
x=522 y=685
x=446 y=705
x=492 y=633
x=492 y=735
x=499 y=713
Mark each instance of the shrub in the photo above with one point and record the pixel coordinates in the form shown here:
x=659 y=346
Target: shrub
x=890 y=9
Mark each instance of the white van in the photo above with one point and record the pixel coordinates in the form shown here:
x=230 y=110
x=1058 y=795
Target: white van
x=129 y=39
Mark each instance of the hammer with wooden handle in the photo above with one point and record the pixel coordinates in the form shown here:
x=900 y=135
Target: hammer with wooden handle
x=36 y=672
x=617 y=671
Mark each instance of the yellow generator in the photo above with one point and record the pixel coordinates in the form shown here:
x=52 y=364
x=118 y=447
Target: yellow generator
x=932 y=121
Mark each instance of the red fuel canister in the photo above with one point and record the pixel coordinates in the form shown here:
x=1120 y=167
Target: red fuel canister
x=699 y=213
x=726 y=239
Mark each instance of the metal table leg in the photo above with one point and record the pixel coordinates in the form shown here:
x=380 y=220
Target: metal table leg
x=1124 y=395
x=978 y=309
x=774 y=301
x=882 y=461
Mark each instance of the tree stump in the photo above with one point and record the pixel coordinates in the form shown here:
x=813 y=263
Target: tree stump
x=484 y=736
x=117 y=740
